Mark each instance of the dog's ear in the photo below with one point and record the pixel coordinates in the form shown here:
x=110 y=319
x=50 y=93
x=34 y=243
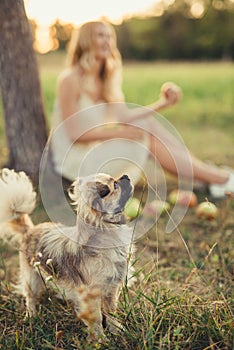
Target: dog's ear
x=70 y=191
x=73 y=190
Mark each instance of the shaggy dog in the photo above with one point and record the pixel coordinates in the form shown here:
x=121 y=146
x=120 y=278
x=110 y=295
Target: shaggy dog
x=88 y=261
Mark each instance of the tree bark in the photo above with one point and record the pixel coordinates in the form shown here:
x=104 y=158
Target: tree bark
x=21 y=92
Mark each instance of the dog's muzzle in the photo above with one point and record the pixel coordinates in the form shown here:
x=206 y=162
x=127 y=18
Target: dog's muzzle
x=126 y=190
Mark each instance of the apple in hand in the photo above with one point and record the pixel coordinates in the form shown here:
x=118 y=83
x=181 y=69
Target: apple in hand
x=171 y=92
x=133 y=208
x=182 y=197
x=207 y=210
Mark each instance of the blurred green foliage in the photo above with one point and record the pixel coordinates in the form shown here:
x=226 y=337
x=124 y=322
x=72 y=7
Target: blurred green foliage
x=190 y=30
x=180 y=32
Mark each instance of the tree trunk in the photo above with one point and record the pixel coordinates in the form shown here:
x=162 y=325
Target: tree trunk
x=21 y=92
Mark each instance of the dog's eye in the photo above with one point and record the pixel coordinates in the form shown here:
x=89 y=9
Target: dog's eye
x=116 y=185
x=103 y=190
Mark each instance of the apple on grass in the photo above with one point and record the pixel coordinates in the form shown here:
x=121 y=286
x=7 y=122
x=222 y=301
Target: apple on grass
x=157 y=207
x=133 y=208
x=207 y=210
x=182 y=197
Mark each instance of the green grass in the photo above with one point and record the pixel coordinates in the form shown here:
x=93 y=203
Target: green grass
x=180 y=300
x=184 y=294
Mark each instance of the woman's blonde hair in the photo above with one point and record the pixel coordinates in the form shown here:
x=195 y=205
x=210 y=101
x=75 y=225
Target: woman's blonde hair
x=82 y=52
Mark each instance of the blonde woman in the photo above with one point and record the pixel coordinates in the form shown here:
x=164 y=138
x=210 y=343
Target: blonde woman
x=95 y=131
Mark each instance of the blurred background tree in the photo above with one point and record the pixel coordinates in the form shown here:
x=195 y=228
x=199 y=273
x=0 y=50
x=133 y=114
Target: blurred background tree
x=183 y=30
x=61 y=34
x=175 y=30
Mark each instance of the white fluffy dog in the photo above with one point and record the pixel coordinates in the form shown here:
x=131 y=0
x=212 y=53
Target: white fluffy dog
x=88 y=261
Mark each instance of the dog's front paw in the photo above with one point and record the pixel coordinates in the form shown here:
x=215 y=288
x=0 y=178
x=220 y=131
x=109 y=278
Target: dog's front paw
x=97 y=335
x=30 y=314
x=30 y=309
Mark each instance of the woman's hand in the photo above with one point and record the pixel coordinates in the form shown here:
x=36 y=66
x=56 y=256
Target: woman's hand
x=171 y=93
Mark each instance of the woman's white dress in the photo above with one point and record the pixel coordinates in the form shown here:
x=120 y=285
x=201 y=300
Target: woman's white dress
x=115 y=157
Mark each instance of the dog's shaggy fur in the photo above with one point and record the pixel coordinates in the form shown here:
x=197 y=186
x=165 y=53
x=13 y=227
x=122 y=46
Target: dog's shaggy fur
x=88 y=261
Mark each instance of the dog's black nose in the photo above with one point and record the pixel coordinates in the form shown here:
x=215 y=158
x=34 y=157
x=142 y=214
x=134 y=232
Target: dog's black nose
x=125 y=177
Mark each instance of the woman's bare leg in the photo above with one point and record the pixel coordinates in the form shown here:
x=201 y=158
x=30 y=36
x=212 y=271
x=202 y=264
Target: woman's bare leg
x=174 y=158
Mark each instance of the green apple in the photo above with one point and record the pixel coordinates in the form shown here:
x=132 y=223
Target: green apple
x=133 y=208
x=207 y=210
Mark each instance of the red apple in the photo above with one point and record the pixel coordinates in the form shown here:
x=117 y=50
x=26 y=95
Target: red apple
x=157 y=207
x=171 y=92
x=182 y=197
x=207 y=210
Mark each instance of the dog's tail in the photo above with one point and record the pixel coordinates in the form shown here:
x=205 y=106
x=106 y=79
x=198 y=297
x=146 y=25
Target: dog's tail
x=17 y=201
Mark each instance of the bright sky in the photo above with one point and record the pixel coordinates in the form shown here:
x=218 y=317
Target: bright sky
x=45 y=12
x=79 y=11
